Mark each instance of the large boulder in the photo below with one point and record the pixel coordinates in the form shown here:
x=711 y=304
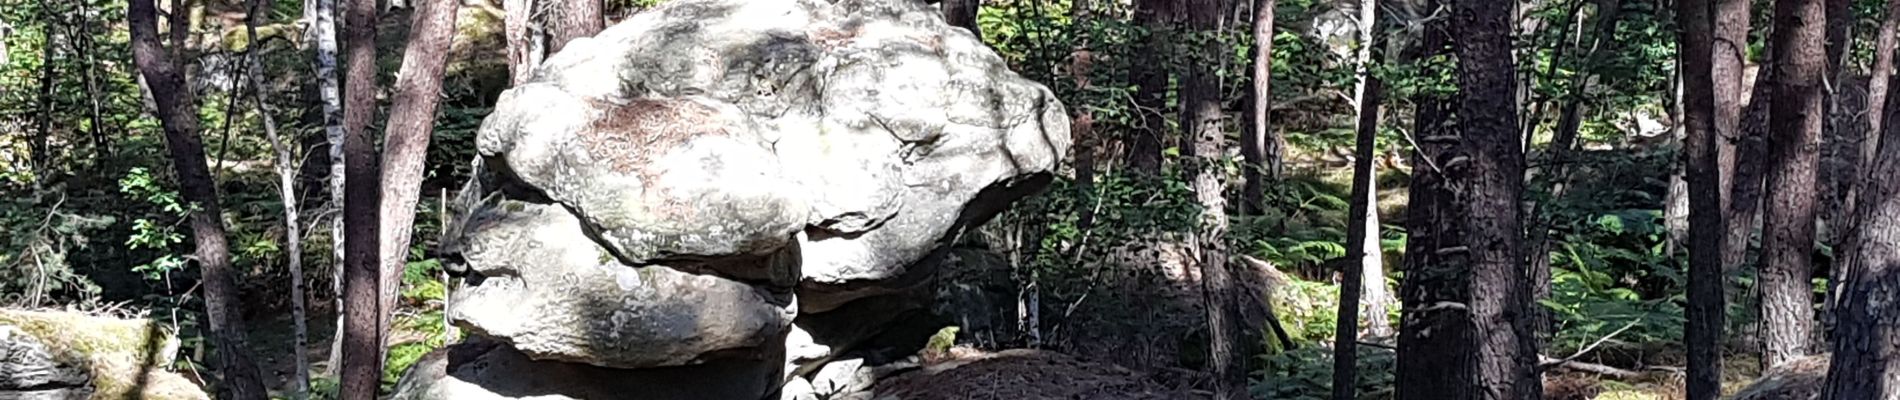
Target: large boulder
x=734 y=188
x=69 y=355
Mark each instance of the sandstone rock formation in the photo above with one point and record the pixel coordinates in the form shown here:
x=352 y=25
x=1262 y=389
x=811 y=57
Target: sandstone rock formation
x=716 y=197
x=48 y=355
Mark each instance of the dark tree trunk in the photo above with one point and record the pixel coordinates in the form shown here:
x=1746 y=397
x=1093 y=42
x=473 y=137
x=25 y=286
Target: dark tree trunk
x=579 y=19
x=177 y=113
x=1433 y=327
x=1150 y=76
x=362 y=305
x=1201 y=116
x=39 y=147
x=1557 y=175
x=1866 y=338
x=1361 y=241
x=1082 y=128
x=962 y=14
x=1728 y=71
x=406 y=140
x=1704 y=322
x=1486 y=173
x=1787 y=307
x=1258 y=145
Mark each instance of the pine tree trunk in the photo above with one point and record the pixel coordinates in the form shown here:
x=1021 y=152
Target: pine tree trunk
x=1866 y=338
x=176 y=111
x=1433 y=327
x=1201 y=116
x=1787 y=308
x=1258 y=145
x=406 y=140
x=579 y=19
x=1362 y=244
x=518 y=31
x=1703 y=330
x=1151 y=85
x=363 y=332
x=1486 y=173
x=1728 y=71
x=962 y=14
x=1884 y=44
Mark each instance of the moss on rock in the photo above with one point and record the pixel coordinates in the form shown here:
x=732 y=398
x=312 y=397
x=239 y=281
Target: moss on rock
x=127 y=357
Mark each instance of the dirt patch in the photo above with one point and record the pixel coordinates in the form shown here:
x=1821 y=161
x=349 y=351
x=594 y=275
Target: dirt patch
x=1024 y=374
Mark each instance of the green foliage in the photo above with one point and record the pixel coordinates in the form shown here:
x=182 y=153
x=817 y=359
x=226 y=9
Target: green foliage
x=1307 y=374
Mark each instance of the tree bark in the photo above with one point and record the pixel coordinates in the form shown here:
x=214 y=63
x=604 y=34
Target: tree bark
x=1884 y=44
x=177 y=115
x=1728 y=72
x=1866 y=363
x=1362 y=242
x=286 y=168
x=1082 y=128
x=363 y=332
x=101 y=141
x=323 y=33
x=518 y=30
x=1201 y=115
x=1258 y=145
x=42 y=158
x=962 y=14
x=1704 y=322
x=1150 y=77
x=1486 y=173
x=1433 y=326
x=579 y=19
x=1787 y=310
x=406 y=140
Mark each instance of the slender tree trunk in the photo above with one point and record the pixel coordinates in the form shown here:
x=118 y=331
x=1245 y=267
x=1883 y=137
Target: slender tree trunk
x=1866 y=344
x=1704 y=322
x=363 y=329
x=286 y=168
x=1838 y=160
x=42 y=157
x=518 y=30
x=176 y=112
x=1258 y=145
x=1787 y=309
x=1556 y=175
x=1728 y=71
x=1082 y=128
x=1201 y=115
x=1486 y=173
x=323 y=32
x=406 y=141
x=1151 y=85
x=1434 y=329
x=1369 y=95
x=1362 y=244
x=579 y=19
x=82 y=33
x=1884 y=44
x=962 y=14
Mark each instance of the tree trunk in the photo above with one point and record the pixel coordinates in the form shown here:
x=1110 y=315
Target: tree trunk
x=286 y=167
x=406 y=140
x=1704 y=322
x=1362 y=241
x=579 y=19
x=1486 y=173
x=1556 y=175
x=1082 y=128
x=1787 y=309
x=42 y=157
x=962 y=14
x=363 y=329
x=1150 y=77
x=1884 y=44
x=1201 y=115
x=1433 y=327
x=176 y=111
x=101 y=142
x=323 y=34
x=1258 y=145
x=518 y=31
x=1866 y=363
x=1838 y=160
x=1728 y=66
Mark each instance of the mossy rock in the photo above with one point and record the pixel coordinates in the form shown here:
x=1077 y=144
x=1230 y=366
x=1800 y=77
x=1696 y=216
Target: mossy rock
x=127 y=357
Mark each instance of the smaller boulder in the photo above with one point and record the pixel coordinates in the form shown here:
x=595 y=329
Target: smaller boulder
x=1800 y=379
